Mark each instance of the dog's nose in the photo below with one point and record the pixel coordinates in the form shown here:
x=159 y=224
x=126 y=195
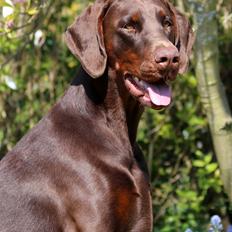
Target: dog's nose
x=167 y=56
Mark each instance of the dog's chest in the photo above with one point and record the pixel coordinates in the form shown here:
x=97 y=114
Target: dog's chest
x=107 y=197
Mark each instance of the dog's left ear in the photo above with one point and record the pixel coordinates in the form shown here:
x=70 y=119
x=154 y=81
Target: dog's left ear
x=85 y=39
x=184 y=36
x=185 y=40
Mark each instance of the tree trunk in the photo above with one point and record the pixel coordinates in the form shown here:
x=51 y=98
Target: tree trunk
x=211 y=88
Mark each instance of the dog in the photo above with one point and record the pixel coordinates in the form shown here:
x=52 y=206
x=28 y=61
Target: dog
x=80 y=168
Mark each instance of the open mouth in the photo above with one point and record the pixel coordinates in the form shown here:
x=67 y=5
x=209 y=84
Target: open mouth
x=156 y=95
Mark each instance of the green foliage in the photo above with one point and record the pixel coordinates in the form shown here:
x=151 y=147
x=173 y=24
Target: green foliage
x=36 y=67
x=183 y=168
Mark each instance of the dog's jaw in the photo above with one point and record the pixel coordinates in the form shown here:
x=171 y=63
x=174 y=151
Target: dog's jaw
x=155 y=95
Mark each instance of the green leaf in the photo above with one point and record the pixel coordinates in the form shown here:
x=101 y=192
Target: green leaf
x=211 y=167
x=198 y=163
x=32 y=11
x=3 y=3
x=199 y=153
x=208 y=159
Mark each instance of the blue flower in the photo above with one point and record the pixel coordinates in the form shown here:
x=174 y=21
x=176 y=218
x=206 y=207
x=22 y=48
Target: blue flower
x=216 y=224
x=215 y=220
x=188 y=230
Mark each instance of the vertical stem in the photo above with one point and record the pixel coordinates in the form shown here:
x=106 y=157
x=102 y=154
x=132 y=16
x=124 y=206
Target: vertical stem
x=211 y=88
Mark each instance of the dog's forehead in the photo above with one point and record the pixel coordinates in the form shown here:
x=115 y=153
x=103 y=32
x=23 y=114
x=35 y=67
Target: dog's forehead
x=146 y=7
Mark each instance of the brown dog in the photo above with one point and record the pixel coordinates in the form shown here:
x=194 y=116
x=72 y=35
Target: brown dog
x=79 y=169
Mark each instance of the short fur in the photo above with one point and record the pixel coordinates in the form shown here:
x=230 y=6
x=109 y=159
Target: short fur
x=80 y=168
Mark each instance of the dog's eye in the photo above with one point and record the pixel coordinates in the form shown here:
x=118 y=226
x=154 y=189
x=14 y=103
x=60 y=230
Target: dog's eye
x=167 y=22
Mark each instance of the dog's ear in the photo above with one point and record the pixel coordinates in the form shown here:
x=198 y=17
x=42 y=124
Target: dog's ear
x=85 y=39
x=185 y=41
x=184 y=36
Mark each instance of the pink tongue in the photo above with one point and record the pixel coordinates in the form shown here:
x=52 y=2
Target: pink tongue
x=160 y=94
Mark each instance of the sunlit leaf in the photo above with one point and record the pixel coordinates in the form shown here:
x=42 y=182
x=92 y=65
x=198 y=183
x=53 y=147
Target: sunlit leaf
x=32 y=11
x=211 y=167
x=198 y=163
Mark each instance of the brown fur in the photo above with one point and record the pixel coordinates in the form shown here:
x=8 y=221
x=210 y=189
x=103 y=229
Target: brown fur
x=80 y=169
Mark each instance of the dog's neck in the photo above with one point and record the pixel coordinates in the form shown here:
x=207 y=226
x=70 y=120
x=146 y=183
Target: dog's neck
x=121 y=106
x=109 y=94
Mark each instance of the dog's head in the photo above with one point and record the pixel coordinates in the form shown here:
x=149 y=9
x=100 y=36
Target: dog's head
x=148 y=42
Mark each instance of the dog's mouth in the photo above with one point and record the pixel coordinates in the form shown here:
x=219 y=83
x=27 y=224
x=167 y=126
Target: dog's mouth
x=156 y=95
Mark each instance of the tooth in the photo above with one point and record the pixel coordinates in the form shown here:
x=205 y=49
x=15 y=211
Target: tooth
x=136 y=79
x=145 y=85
